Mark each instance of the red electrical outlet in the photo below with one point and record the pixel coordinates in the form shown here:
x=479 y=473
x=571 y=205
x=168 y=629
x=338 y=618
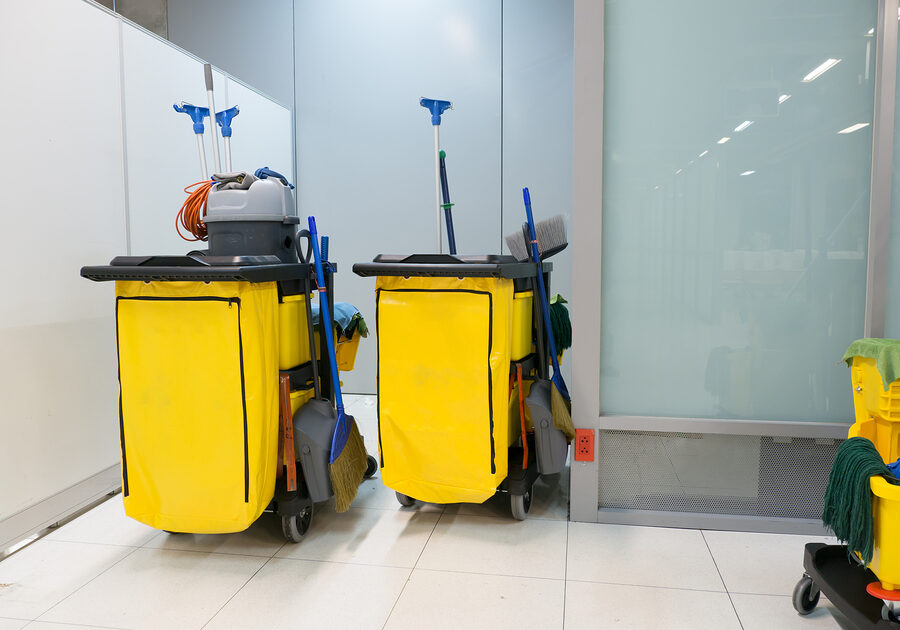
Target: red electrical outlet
x=584 y=445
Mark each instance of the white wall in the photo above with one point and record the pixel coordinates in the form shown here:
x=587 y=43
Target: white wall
x=252 y=41
x=63 y=208
x=69 y=202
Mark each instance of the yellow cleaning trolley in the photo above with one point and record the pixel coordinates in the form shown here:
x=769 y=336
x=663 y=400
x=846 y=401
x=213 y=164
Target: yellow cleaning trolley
x=451 y=331
x=214 y=361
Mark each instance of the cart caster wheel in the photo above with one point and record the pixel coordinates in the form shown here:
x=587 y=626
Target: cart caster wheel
x=806 y=595
x=371 y=467
x=405 y=500
x=295 y=526
x=520 y=504
x=888 y=615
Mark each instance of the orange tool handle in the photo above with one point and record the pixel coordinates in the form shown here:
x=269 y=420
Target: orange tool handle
x=287 y=424
x=522 y=417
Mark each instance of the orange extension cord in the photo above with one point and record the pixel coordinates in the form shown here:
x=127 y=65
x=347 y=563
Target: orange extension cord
x=190 y=217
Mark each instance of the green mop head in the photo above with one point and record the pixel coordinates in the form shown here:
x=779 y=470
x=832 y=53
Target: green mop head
x=848 y=498
x=560 y=323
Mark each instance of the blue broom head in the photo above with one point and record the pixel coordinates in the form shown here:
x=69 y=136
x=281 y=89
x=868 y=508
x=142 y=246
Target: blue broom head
x=341 y=434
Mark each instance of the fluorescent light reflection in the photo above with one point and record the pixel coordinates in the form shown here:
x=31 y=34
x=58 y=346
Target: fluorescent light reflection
x=853 y=128
x=743 y=125
x=704 y=153
x=821 y=69
x=783 y=98
x=678 y=172
x=723 y=140
x=745 y=173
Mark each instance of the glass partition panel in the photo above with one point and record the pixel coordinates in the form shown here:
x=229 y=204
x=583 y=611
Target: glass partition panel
x=737 y=156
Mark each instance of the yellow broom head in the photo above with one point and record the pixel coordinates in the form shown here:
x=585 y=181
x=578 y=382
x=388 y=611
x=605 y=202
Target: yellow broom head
x=348 y=469
x=562 y=413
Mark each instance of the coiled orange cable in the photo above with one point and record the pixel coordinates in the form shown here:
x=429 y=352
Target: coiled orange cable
x=190 y=217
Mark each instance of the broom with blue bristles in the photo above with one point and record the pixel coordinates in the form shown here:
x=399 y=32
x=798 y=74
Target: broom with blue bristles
x=347 y=463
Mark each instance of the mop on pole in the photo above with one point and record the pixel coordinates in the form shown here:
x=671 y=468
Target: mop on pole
x=437 y=107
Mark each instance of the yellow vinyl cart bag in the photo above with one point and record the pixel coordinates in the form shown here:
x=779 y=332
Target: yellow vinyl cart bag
x=443 y=385
x=198 y=409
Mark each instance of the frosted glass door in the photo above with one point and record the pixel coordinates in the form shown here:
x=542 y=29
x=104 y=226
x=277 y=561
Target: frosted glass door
x=736 y=159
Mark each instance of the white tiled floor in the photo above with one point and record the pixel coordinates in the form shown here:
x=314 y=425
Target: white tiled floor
x=383 y=566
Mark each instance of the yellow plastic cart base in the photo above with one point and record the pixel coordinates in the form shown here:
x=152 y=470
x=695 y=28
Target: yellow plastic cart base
x=198 y=375
x=443 y=385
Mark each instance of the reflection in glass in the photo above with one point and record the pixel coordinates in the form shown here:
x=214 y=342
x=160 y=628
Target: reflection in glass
x=734 y=272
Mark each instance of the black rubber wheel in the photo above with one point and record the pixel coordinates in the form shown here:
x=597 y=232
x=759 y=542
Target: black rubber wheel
x=520 y=504
x=806 y=596
x=887 y=614
x=405 y=500
x=371 y=467
x=295 y=526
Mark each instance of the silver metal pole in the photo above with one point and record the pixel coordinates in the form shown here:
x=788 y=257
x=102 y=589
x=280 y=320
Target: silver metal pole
x=437 y=183
x=204 y=174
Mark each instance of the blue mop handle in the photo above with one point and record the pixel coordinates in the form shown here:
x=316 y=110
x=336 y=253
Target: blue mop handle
x=326 y=316
x=536 y=257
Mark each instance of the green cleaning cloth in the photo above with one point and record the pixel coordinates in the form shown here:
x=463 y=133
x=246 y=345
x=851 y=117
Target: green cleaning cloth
x=886 y=353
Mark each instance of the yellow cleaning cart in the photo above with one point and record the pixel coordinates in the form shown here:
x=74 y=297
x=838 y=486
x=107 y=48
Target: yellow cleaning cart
x=214 y=360
x=868 y=596
x=451 y=330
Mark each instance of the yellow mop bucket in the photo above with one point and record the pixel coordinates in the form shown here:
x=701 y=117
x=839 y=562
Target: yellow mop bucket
x=877 y=410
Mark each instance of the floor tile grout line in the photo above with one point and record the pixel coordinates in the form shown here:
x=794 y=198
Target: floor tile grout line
x=54 y=605
x=501 y=575
x=214 y=553
x=400 y=594
x=721 y=577
x=103 y=544
x=66 y=623
x=233 y=595
x=565 y=578
x=665 y=588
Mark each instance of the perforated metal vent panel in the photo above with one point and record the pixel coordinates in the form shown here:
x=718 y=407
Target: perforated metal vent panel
x=714 y=474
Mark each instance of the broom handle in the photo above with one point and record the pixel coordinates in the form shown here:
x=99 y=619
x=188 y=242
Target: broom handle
x=305 y=259
x=536 y=257
x=325 y=318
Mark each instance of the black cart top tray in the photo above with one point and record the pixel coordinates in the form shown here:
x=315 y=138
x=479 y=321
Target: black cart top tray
x=446 y=265
x=197 y=267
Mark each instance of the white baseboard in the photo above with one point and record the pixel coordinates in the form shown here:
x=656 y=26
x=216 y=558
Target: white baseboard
x=58 y=507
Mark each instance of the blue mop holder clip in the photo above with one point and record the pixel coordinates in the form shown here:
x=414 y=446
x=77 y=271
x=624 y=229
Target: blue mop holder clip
x=196 y=113
x=224 y=118
x=436 y=108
